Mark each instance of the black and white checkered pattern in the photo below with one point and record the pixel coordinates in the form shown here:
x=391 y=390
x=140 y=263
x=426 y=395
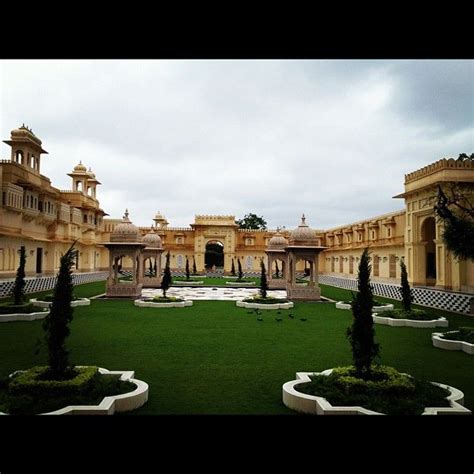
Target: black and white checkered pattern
x=43 y=283
x=456 y=302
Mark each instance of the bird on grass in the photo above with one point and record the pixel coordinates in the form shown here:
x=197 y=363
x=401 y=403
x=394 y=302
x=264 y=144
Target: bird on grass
x=278 y=312
x=291 y=316
x=278 y=319
x=259 y=319
x=303 y=319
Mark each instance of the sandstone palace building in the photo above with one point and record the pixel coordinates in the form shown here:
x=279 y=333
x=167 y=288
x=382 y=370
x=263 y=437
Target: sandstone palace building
x=46 y=220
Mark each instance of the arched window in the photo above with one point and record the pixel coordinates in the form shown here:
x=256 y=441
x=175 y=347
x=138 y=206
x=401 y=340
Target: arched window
x=33 y=161
x=78 y=185
x=19 y=156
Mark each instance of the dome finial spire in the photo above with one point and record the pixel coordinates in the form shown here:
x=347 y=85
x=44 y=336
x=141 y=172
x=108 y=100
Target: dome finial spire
x=303 y=219
x=125 y=217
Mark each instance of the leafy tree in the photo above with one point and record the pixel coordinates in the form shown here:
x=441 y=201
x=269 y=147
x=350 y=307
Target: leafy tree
x=239 y=271
x=18 y=291
x=187 y=269
x=263 y=280
x=454 y=207
x=252 y=221
x=465 y=157
x=232 y=270
x=166 y=280
x=405 y=290
x=56 y=323
x=362 y=335
x=194 y=266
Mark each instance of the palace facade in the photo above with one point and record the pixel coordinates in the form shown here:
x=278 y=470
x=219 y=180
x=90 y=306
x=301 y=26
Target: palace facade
x=46 y=221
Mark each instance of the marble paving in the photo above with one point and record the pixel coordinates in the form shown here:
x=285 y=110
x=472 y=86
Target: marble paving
x=220 y=294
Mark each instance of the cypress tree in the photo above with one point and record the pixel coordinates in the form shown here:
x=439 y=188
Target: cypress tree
x=239 y=266
x=151 y=268
x=18 y=290
x=362 y=334
x=56 y=324
x=277 y=270
x=166 y=280
x=263 y=280
x=405 y=290
x=187 y=269
x=232 y=270
x=194 y=266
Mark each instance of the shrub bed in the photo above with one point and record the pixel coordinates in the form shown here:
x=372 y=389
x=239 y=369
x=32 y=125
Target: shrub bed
x=165 y=299
x=465 y=334
x=387 y=391
x=268 y=300
x=30 y=392
x=8 y=308
x=415 y=314
x=51 y=297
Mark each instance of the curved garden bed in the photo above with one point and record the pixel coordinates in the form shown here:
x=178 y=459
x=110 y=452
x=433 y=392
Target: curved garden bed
x=459 y=340
x=265 y=303
x=46 y=304
x=415 y=319
x=317 y=405
x=376 y=308
x=160 y=302
x=110 y=404
x=23 y=312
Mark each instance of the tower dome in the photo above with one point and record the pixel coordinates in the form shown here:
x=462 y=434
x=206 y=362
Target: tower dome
x=79 y=168
x=277 y=242
x=303 y=233
x=152 y=239
x=90 y=173
x=125 y=231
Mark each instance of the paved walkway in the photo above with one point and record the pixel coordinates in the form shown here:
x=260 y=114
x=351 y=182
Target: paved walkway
x=221 y=294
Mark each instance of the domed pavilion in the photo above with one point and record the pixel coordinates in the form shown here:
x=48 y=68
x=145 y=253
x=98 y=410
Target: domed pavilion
x=276 y=252
x=151 y=259
x=125 y=241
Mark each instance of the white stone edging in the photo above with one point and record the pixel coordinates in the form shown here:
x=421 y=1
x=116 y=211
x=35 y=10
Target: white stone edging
x=111 y=404
x=385 y=307
x=313 y=405
x=240 y=283
x=4 y=318
x=74 y=303
x=412 y=323
x=451 y=344
x=244 y=304
x=154 y=304
x=188 y=283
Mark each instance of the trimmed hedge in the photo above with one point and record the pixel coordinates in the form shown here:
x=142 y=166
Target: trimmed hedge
x=415 y=314
x=260 y=300
x=32 y=383
x=165 y=299
x=8 y=308
x=51 y=297
x=465 y=334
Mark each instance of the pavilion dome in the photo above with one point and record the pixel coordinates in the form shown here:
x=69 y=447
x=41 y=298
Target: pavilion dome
x=80 y=168
x=90 y=173
x=126 y=231
x=277 y=242
x=152 y=239
x=303 y=233
x=25 y=132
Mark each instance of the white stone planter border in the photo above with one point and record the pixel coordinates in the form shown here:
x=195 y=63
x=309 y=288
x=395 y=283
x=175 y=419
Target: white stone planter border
x=47 y=304
x=240 y=283
x=412 y=323
x=244 y=304
x=313 y=405
x=115 y=403
x=385 y=307
x=151 y=304
x=4 y=318
x=188 y=283
x=450 y=344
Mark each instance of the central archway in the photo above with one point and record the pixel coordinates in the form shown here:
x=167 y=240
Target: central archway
x=428 y=236
x=214 y=256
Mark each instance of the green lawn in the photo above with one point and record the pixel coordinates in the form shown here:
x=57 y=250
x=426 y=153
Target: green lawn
x=215 y=358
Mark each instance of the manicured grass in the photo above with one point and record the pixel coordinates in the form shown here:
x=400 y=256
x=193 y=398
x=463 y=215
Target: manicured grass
x=215 y=358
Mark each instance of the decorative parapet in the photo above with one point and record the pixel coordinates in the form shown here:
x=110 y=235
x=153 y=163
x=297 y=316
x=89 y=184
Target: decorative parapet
x=145 y=230
x=443 y=164
x=359 y=225
x=214 y=220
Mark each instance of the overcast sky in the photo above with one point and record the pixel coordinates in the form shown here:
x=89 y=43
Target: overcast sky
x=332 y=139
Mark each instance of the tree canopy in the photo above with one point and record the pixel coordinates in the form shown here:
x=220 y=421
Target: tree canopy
x=252 y=221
